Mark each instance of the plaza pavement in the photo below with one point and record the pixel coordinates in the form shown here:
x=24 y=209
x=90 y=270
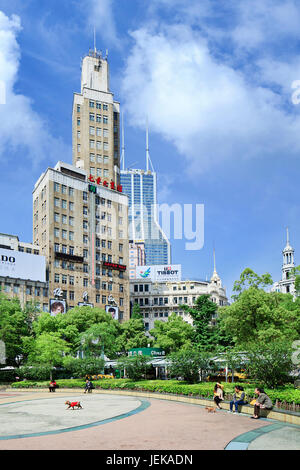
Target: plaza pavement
x=40 y=421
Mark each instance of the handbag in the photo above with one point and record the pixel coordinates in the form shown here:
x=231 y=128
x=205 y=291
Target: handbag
x=252 y=402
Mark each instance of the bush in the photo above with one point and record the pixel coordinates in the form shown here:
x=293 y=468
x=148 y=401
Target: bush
x=8 y=375
x=136 y=367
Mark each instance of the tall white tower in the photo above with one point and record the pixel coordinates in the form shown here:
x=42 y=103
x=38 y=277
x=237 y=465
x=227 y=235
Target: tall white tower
x=287 y=280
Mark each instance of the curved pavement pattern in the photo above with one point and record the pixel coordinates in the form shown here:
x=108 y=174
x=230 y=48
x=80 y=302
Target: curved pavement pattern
x=114 y=422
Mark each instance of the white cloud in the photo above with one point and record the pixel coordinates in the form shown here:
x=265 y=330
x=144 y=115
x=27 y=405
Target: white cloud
x=206 y=108
x=101 y=17
x=22 y=129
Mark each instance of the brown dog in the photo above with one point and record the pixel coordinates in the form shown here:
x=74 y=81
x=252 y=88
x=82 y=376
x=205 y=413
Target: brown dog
x=210 y=409
x=73 y=405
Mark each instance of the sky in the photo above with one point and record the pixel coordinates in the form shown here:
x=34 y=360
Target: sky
x=216 y=80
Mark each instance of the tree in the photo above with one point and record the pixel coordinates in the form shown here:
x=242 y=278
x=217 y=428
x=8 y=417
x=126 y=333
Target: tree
x=136 y=311
x=191 y=364
x=136 y=367
x=248 y=279
x=173 y=334
x=99 y=339
x=48 y=351
x=270 y=364
x=14 y=326
x=82 y=367
x=205 y=333
x=259 y=316
x=132 y=335
x=296 y=273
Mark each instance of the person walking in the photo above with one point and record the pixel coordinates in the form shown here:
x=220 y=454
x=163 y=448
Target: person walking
x=218 y=394
x=238 y=399
x=262 y=402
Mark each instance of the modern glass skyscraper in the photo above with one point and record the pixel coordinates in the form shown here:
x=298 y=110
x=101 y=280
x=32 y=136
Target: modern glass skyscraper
x=140 y=186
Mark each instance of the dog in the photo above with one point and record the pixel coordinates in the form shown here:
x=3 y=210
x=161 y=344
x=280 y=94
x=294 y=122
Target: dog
x=73 y=405
x=210 y=409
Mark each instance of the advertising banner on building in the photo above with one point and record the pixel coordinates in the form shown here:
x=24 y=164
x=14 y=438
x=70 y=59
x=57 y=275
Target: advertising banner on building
x=57 y=306
x=113 y=311
x=22 y=265
x=159 y=273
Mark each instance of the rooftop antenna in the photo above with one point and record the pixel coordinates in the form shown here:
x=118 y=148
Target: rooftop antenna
x=123 y=145
x=148 y=159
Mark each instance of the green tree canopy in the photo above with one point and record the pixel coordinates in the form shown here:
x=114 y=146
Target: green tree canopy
x=132 y=335
x=173 y=334
x=206 y=335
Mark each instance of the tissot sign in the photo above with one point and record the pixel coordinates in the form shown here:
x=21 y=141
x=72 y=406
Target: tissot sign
x=159 y=273
x=22 y=265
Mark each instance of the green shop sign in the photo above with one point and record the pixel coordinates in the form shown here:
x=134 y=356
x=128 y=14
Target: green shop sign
x=152 y=352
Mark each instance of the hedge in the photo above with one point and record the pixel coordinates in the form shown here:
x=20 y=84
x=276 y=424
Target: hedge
x=204 y=390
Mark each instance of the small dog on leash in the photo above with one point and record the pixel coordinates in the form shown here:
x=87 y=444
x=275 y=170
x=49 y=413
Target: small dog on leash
x=73 y=405
x=210 y=409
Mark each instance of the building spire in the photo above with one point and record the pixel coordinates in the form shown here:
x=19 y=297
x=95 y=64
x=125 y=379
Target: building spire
x=148 y=159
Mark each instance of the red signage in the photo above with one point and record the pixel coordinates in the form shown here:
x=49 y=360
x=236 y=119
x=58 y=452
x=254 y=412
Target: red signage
x=119 y=267
x=111 y=185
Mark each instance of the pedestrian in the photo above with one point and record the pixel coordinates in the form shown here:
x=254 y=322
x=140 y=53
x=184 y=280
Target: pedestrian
x=238 y=399
x=218 y=394
x=52 y=386
x=88 y=386
x=262 y=402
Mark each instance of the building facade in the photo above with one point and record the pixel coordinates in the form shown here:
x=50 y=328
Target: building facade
x=158 y=300
x=81 y=229
x=23 y=272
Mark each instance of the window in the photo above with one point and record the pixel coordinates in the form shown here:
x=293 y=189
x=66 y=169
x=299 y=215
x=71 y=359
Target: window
x=105 y=173
x=105 y=159
x=98 y=118
x=56 y=202
x=85 y=210
x=85 y=268
x=105 y=146
x=78 y=122
x=92 y=117
x=71 y=236
x=56 y=277
x=63 y=204
x=71 y=191
x=85 y=239
x=92 y=170
x=71 y=221
x=105 y=107
x=92 y=104
x=84 y=195
x=64 y=279
x=63 y=189
x=99 y=159
x=92 y=157
x=56 y=232
x=105 y=132
x=85 y=253
x=56 y=187
x=71 y=295
x=105 y=119
x=78 y=108
x=98 y=105
x=78 y=148
x=121 y=288
x=56 y=217
x=99 y=145
x=98 y=132
x=97 y=298
x=104 y=299
x=64 y=219
x=92 y=144
x=71 y=206
x=64 y=234
x=99 y=171
x=85 y=282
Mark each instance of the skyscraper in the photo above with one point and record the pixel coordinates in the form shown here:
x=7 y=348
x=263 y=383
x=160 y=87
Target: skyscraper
x=141 y=187
x=80 y=217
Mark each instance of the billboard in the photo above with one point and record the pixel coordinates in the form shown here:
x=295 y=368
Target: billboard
x=57 y=306
x=22 y=265
x=159 y=273
x=114 y=311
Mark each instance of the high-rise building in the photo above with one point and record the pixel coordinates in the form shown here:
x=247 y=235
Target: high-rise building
x=141 y=187
x=96 y=124
x=80 y=214
x=81 y=229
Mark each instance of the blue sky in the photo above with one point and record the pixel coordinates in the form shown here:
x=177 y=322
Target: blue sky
x=214 y=79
